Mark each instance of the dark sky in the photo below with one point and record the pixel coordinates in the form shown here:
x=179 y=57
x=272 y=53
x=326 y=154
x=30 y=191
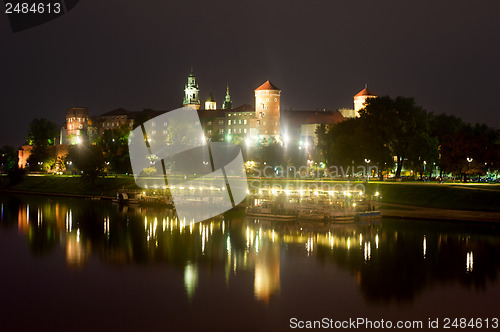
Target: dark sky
x=137 y=54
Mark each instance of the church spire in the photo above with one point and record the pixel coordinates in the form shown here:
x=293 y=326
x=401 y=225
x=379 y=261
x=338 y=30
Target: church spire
x=227 y=105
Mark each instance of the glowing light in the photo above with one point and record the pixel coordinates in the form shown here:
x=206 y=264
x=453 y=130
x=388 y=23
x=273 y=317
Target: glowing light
x=470 y=261
x=376 y=241
x=377 y=193
x=424 y=245
x=367 y=251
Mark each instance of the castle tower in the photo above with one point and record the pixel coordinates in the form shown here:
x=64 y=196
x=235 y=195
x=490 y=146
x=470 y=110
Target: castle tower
x=210 y=103
x=191 y=92
x=77 y=121
x=267 y=109
x=360 y=99
x=228 y=104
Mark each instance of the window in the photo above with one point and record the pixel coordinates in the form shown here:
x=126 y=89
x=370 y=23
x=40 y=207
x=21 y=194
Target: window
x=153 y=124
x=221 y=122
x=263 y=114
x=262 y=106
x=267 y=91
x=229 y=122
x=165 y=124
x=245 y=130
x=209 y=132
x=239 y=121
x=239 y=131
x=245 y=121
x=229 y=131
x=221 y=131
x=209 y=123
x=153 y=132
x=164 y=132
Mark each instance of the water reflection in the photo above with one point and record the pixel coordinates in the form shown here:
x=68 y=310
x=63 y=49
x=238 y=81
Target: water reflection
x=390 y=261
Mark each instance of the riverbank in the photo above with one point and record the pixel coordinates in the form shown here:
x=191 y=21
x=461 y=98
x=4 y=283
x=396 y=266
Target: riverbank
x=72 y=186
x=416 y=198
x=422 y=213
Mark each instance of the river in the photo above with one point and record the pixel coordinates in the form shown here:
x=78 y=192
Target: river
x=81 y=264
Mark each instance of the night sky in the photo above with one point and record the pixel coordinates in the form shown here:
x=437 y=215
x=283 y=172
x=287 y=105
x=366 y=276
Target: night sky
x=137 y=54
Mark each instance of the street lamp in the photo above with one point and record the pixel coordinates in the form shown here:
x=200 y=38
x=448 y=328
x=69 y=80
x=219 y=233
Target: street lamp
x=469 y=160
x=367 y=161
x=425 y=163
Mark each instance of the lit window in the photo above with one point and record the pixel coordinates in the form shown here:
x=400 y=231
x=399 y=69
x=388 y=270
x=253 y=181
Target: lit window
x=164 y=132
x=239 y=122
x=245 y=121
x=245 y=130
x=209 y=132
x=229 y=122
x=221 y=122
x=165 y=124
x=209 y=123
x=229 y=131
x=221 y=131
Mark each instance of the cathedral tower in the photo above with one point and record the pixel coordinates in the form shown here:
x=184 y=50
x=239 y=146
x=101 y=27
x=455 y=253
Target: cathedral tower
x=191 y=92
x=228 y=104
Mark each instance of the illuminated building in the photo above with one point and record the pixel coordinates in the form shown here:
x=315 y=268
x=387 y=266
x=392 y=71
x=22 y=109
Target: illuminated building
x=191 y=92
x=360 y=99
x=210 y=103
x=267 y=110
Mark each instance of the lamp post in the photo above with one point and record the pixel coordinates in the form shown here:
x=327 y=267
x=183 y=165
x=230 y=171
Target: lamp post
x=469 y=160
x=367 y=161
x=425 y=163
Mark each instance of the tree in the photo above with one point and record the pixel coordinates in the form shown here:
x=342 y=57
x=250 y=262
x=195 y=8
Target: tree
x=42 y=133
x=401 y=125
x=477 y=143
x=89 y=160
x=114 y=144
x=8 y=158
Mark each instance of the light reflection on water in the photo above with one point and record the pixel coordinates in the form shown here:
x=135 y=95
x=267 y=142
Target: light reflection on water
x=389 y=261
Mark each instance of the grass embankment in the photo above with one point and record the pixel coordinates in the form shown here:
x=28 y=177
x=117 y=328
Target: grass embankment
x=70 y=185
x=443 y=196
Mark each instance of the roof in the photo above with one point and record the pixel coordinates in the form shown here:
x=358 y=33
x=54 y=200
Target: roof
x=365 y=92
x=242 y=108
x=267 y=86
x=118 y=111
x=211 y=98
x=298 y=118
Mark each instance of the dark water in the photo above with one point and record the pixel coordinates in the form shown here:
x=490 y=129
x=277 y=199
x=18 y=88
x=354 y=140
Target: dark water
x=77 y=264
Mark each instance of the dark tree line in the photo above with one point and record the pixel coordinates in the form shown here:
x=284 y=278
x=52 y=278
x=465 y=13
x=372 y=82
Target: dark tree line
x=396 y=133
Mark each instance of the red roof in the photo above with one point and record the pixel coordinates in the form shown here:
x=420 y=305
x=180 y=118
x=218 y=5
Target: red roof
x=365 y=92
x=267 y=86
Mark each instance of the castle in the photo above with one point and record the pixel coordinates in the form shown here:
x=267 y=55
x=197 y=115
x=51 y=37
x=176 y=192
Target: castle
x=264 y=124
